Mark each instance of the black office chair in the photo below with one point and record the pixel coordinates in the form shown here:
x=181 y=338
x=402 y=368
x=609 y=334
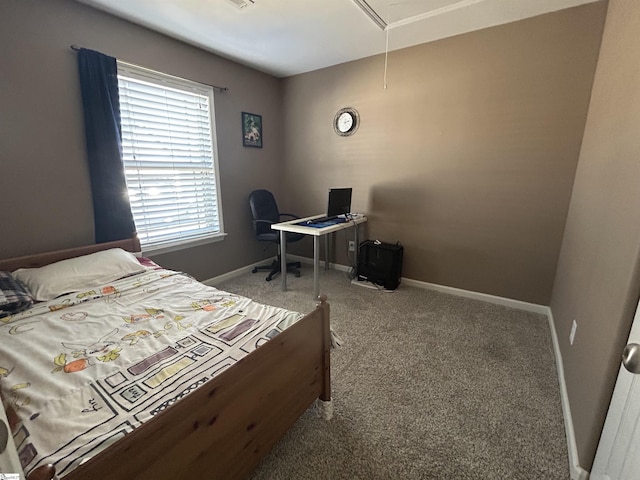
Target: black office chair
x=265 y=213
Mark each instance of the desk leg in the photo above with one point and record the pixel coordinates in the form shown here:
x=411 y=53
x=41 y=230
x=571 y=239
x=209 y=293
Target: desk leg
x=326 y=251
x=316 y=266
x=283 y=259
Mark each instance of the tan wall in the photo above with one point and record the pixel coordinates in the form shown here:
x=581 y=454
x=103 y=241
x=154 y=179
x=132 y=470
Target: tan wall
x=467 y=158
x=43 y=172
x=598 y=278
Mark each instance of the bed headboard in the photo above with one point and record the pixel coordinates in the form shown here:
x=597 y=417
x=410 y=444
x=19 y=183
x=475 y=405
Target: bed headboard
x=39 y=259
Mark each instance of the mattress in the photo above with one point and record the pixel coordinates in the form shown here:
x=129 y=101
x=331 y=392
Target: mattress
x=79 y=372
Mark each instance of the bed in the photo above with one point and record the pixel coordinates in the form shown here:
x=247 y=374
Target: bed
x=215 y=423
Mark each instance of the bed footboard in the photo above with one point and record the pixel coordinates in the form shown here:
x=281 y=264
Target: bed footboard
x=225 y=427
x=222 y=429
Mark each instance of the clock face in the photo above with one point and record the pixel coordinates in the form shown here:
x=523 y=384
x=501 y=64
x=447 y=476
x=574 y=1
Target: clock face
x=346 y=121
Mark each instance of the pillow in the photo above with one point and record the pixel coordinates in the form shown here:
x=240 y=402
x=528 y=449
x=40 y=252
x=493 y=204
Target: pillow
x=14 y=296
x=77 y=274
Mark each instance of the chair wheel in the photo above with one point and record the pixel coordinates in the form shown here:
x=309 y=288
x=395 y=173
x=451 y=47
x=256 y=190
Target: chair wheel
x=297 y=274
x=268 y=279
x=255 y=270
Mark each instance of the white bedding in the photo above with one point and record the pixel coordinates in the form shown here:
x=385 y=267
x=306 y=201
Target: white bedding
x=84 y=369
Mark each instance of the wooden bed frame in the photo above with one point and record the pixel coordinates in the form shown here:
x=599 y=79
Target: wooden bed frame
x=223 y=429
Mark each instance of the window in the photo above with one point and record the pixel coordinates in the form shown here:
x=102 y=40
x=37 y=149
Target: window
x=170 y=158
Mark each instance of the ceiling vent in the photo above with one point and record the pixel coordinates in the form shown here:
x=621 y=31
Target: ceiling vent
x=242 y=3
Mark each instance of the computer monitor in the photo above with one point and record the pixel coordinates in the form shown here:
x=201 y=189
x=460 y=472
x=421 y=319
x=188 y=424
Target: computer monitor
x=339 y=202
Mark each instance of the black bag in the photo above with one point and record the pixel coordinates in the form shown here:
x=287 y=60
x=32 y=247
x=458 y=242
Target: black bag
x=380 y=263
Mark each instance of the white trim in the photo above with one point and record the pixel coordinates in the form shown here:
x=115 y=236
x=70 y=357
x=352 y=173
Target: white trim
x=176 y=245
x=212 y=282
x=576 y=471
x=214 y=231
x=248 y=268
x=309 y=261
x=507 y=302
x=433 y=13
x=485 y=297
x=153 y=76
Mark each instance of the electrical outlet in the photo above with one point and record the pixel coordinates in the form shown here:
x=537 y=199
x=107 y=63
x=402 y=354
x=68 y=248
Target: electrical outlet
x=352 y=246
x=572 y=335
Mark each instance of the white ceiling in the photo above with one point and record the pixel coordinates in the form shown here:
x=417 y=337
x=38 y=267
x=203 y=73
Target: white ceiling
x=287 y=37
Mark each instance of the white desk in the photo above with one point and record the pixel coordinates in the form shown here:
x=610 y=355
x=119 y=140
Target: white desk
x=292 y=226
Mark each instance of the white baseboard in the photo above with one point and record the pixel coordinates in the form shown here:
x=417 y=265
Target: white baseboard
x=507 y=302
x=212 y=282
x=248 y=268
x=309 y=261
x=576 y=471
x=485 y=297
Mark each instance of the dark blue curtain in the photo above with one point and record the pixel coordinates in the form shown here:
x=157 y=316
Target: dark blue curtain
x=99 y=85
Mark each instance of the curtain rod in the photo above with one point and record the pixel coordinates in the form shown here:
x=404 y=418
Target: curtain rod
x=76 y=48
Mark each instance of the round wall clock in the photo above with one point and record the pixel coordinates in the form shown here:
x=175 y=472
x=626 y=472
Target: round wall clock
x=346 y=121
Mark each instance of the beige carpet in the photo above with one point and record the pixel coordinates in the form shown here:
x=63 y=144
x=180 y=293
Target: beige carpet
x=425 y=386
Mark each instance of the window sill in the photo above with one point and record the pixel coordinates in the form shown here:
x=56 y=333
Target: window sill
x=181 y=245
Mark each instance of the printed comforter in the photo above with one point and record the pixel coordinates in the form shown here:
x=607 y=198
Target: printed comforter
x=83 y=370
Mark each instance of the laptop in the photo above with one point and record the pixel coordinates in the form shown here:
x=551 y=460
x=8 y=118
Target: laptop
x=339 y=204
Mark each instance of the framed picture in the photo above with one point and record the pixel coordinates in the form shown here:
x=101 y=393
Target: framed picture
x=251 y=130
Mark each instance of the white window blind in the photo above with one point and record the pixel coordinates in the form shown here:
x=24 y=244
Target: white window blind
x=169 y=154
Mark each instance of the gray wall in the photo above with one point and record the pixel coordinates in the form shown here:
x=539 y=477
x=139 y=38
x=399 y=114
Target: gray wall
x=467 y=158
x=43 y=173
x=598 y=278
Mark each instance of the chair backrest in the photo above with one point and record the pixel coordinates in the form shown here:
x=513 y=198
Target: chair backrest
x=263 y=207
